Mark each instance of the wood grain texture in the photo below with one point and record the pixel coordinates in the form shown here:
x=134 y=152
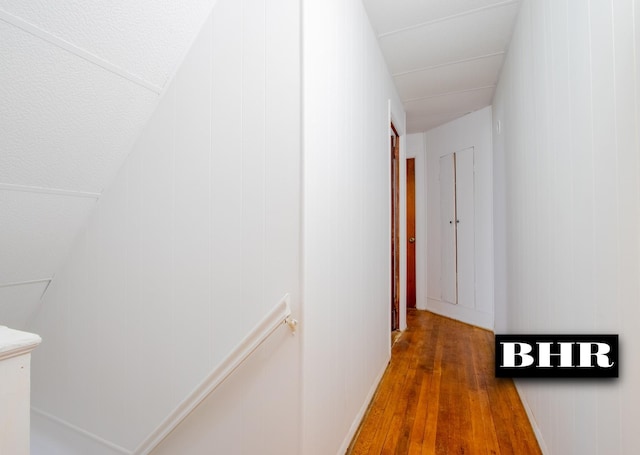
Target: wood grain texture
x=439 y=396
x=411 y=232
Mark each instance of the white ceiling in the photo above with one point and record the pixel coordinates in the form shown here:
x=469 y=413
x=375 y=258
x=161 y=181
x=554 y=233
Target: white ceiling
x=78 y=81
x=445 y=55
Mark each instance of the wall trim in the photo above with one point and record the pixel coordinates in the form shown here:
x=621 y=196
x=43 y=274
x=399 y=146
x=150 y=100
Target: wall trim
x=532 y=420
x=77 y=51
x=450 y=63
x=447 y=18
x=44 y=190
x=23 y=283
x=81 y=431
x=455 y=92
x=399 y=122
x=363 y=410
x=460 y=313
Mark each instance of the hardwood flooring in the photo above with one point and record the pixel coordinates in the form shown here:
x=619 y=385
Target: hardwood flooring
x=439 y=396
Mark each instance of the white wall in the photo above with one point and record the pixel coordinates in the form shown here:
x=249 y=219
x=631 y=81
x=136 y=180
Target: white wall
x=78 y=83
x=200 y=236
x=416 y=148
x=195 y=241
x=569 y=154
x=472 y=130
x=346 y=334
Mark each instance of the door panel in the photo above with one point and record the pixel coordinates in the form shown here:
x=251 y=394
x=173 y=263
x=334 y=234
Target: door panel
x=448 y=228
x=465 y=227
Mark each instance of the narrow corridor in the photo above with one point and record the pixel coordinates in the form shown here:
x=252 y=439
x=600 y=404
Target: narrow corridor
x=439 y=396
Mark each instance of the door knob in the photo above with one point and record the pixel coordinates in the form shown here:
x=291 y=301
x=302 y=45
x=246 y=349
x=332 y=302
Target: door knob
x=412 y=239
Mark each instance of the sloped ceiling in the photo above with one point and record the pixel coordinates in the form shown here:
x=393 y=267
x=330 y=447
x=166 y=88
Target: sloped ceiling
x=445 y=55
x=78 y=81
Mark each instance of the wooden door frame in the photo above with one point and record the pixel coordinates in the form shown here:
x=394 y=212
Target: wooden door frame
x=395 y=228
x=410 y=202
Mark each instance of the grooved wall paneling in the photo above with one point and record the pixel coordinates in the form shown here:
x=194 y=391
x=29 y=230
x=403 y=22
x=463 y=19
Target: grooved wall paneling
x=193 y=243
x=568 y=209
x=347 y=90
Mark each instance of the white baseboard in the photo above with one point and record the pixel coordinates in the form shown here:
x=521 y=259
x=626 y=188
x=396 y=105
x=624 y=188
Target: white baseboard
x=61 y=437
x=534 y=424
x=363 y=409
x=460 y=313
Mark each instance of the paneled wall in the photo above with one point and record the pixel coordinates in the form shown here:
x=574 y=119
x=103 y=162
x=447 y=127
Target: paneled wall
x=346 y=218
x=195 y=241
x=79 y=82
x=471 y=131
x=566 y=116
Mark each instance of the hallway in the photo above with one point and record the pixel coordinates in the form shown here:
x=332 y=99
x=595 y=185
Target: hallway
x=439 y=396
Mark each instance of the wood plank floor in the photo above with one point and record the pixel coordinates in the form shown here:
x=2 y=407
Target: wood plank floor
x=439 y=396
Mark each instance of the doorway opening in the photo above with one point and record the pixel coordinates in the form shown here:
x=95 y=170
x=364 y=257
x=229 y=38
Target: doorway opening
x=411 y=232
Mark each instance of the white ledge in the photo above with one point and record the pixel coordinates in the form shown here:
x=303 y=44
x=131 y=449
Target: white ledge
x=14 y=342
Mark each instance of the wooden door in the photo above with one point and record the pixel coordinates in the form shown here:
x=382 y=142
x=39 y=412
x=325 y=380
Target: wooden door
x=395 y=229
x=411 y=233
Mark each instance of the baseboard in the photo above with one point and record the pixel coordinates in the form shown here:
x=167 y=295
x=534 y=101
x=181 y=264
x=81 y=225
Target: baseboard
x=77 y=440
x=460 y=313
x=363 y=410
x=532 y=421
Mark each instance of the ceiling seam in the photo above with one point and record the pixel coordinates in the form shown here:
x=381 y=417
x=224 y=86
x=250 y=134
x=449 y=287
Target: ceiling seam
x=77 y=51
x=444 y=114
x=44 y=190
x=447 y=18
x=455 y=62
x=475 y=89
x=22 y=283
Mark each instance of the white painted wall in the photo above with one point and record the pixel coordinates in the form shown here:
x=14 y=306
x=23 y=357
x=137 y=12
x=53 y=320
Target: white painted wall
x=15 y=398
x=568 y=169
x=472 y=130
x=195 y=241
x=78 y=83
x=416 y=148
x=346 y=217
x=200 y=235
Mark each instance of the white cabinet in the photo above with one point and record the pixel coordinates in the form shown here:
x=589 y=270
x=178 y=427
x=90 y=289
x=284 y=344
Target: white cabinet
x=459 y=186
x=457 y=228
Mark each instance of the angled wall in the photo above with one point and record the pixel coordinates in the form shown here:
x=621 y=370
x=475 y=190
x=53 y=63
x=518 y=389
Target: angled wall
x=193 y=243
x=78 y=83
x=346 y=217
x=567 y=168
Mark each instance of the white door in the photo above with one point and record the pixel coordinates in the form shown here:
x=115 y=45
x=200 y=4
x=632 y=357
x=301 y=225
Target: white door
x=465 y=230
x=457 y=228
x=448 y=228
